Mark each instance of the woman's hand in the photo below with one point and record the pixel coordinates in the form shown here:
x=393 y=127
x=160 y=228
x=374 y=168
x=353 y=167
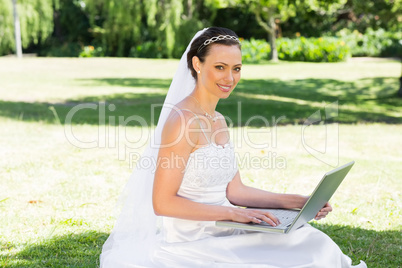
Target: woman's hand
x=323 y=212
x=253 y=215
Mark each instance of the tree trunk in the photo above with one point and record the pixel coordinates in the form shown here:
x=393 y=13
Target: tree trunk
x=17 y=30
x=400 y=79
x=270 y=27
x=189 y=9
x=272 y=40
x=57 y=25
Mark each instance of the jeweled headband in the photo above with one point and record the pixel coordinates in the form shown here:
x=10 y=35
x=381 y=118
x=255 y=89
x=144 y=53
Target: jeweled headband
x=218 y=38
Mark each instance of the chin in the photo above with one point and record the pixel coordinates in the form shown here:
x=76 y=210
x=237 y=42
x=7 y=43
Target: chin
x=225 y=95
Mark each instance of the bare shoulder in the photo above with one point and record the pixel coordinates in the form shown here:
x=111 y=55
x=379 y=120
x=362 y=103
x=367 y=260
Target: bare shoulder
x=180 y=119
x=177 y=128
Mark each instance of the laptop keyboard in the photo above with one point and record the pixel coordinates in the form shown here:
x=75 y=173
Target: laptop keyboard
x=285 y=216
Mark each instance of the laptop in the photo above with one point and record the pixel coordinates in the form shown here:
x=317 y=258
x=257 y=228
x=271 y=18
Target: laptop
x=292 y=219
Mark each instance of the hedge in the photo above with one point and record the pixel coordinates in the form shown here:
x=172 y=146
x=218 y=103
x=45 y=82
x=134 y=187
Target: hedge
x=323 y=49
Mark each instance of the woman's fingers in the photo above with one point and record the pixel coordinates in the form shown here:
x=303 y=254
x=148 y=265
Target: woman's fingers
x=273 y=218
x=328 y=207
x=323 y=212
x=255 y=219
x=273 y=221
x=267 y=217
x=255 y=216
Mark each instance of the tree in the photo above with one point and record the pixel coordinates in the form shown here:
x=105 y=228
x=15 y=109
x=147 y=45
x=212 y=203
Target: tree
x=400 y=78
x=400 y=87
x=374 y=14
x=71 y=23
x=269 y=13
x=117 y=23
x=36 y=21
x=17 y=30
x=7 y=40
x=124 y=24
x=36 y=18
x=167 y=23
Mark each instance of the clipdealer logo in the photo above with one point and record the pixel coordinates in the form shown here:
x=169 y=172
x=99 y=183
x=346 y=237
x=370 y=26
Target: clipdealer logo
x=320 y=141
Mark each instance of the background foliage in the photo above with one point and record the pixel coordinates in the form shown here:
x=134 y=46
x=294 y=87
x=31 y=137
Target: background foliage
x=36 y=19
x=373 y=42
x=313 y=49
x=254 y=51
x=345 y=44
x=161 y=29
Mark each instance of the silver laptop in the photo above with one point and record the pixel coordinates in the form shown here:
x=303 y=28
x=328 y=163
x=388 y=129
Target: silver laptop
x=293 y=219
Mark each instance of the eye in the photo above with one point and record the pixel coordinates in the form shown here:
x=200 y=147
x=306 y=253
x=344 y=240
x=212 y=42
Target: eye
x=237 y=69
x=219 y=67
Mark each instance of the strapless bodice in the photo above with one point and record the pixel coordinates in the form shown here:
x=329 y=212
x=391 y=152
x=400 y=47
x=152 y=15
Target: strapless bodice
x=208 y=172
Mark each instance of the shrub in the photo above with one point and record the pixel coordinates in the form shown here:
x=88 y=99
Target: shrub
x=147 y=49
x=55 y=49
x=90 y=51
x=323 y=49
x=372 y=43
x=253 y=50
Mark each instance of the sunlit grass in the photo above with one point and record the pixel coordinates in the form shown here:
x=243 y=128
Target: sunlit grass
x=57 y=199
x=52 y=189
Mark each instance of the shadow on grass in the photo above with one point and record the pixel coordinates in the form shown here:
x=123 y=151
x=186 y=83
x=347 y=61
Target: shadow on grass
x=128 y=82
x=72 y=250
x=364 y=100
x=377 y=249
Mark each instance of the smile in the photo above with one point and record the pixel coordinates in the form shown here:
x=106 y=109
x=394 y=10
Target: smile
x=224 y=88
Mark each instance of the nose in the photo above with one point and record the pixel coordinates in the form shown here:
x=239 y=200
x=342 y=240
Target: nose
x=229 y=77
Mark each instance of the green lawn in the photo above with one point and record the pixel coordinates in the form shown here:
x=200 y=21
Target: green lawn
x=57 y=198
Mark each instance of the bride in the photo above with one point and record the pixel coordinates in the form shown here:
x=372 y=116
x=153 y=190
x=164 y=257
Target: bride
x=170 y=210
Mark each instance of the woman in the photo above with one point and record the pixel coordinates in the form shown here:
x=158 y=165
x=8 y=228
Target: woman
x=196 y=182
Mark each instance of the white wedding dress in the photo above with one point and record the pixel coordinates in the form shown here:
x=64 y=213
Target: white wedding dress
x=137 y=241
x=187 y=243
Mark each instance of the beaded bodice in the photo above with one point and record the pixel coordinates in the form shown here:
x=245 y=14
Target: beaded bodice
x=209 y=170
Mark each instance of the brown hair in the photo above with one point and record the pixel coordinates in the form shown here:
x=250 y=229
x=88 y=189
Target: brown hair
x=203 y=52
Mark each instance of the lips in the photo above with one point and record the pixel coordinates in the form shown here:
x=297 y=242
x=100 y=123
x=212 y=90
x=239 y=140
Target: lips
x=224 y=88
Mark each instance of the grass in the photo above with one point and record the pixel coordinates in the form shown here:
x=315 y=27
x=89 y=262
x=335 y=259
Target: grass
x=365 y=91
x=57 y=200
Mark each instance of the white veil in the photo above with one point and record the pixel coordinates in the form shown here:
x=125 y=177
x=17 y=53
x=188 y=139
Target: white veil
x=135 y=233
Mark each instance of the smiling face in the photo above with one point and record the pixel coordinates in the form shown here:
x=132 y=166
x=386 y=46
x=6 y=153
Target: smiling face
x=220 y=72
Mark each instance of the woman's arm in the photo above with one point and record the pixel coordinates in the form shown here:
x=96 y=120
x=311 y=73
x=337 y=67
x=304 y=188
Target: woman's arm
x=179 y=138
x=242 y=195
